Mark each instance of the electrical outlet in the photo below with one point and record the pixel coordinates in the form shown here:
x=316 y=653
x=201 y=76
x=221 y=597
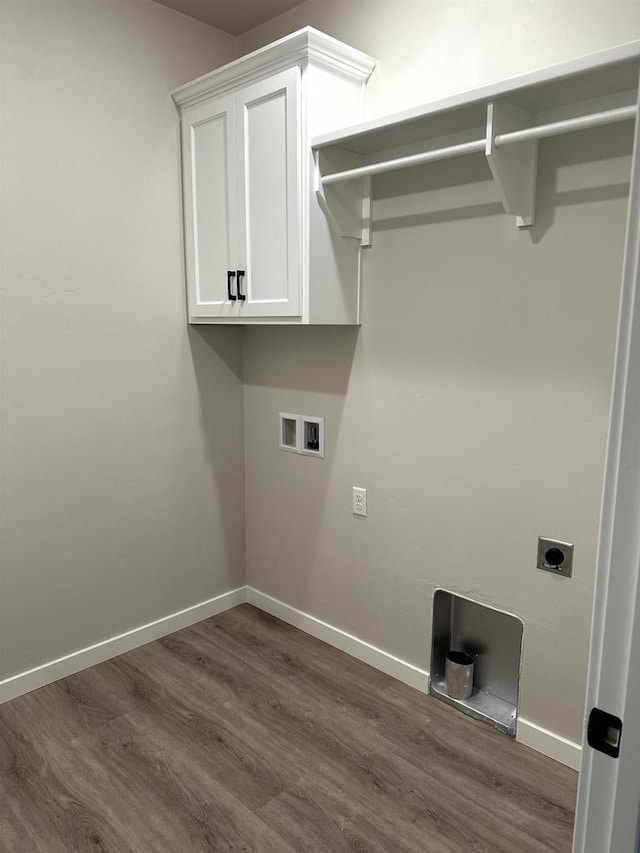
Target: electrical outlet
x=359 y=501
x=555 y=556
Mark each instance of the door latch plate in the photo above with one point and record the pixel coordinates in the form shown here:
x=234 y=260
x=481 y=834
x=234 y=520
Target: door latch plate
x=604 y=732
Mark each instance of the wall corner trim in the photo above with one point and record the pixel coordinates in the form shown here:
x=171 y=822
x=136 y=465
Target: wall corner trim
x=39 y=676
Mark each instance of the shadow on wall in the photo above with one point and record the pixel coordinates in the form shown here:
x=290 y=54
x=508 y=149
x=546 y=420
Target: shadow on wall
x=457 y=190
x=223 y=342
x=453 y=286
x=216 y=353
x=314 y=359
x=569 y=152
x=455 y=187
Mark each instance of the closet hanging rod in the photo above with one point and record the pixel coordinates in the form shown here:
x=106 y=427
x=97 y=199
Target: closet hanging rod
x=403 y=162
x=567 y=125
x=538 y=132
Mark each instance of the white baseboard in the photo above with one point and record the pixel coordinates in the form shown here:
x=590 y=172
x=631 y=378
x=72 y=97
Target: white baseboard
x=548 y=743
x=397 y=668
x=24 y=682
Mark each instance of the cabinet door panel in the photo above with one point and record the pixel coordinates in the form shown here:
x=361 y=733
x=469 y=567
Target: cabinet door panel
x=210 y=206
x=267 y=198
x=269 y=227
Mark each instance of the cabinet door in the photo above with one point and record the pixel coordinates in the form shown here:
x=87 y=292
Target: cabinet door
x=269 y=196
x=210 y=206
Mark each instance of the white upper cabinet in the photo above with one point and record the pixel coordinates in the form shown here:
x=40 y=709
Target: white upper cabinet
x=251 y=224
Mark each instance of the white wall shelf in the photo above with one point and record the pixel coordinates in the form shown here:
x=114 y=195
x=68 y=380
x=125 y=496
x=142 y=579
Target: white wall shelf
x=504 y=121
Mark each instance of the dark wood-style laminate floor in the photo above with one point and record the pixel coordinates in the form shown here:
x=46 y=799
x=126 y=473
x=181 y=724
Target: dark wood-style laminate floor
x=244 y=734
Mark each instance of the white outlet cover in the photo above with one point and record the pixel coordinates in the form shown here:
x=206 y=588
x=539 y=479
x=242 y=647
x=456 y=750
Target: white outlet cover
x=359 y=501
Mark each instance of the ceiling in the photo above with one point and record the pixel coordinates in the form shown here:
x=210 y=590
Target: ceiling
x=232 y=16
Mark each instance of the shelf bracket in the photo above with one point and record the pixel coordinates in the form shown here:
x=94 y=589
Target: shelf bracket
x=514 y=166
x=347 y=205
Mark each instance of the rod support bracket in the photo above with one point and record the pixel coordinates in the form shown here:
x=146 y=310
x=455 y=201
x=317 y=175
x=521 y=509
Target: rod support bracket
x=347 y=205
x=514 y=168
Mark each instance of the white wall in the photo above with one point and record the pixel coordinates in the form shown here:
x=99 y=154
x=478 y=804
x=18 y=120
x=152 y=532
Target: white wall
x=430 y=48
x=121 y=429
x=473 y=403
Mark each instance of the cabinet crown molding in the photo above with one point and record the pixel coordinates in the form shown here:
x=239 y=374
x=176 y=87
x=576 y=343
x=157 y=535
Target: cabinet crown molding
x=305 y=46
